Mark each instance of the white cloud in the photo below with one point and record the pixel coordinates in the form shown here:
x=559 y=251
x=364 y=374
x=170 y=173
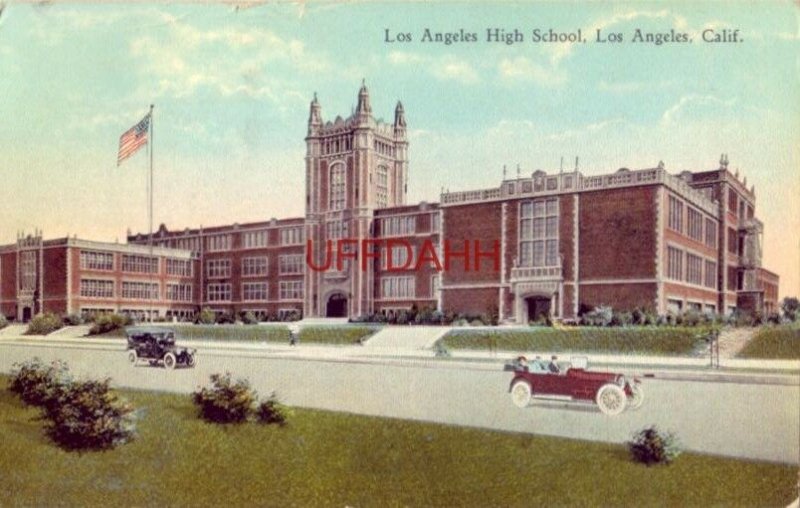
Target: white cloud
x=702 y=106
x=443 y=68
x=523 y=69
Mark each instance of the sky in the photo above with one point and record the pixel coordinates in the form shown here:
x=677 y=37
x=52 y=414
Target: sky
x=232 y=84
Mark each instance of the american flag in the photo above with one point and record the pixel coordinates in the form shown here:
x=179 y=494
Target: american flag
x=133 y=139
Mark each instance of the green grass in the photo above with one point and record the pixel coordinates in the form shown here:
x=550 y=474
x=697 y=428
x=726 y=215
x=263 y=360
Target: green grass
x=340 y=334
x=336 y=334
x=775 y=343
x=335 y=459
x=671 y=341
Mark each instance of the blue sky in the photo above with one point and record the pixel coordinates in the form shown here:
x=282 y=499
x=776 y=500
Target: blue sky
x=232 y=87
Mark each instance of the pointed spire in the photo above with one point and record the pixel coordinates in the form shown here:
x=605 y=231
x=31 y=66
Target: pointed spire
x=399 y=115
x=363 y=107
x=314 y=115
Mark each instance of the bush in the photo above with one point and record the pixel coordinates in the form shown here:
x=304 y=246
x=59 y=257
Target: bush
x=3 y=322
x=206 y=317
x=791 y=308
x=72 y=320
x=622 y=319
x=271 y=411
x=225 y=401
x=649 y=446
x=42 y=324
x=249 y=318
x=88 y=415
x=225 y=318
x=35 y=382
x=105 y=323
x=601 y=315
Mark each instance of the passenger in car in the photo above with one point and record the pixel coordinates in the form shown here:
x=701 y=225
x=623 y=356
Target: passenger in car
x=553 y=365
x=537 y=366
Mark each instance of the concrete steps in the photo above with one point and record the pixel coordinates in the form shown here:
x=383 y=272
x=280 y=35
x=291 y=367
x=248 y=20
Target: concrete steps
x=406 y=337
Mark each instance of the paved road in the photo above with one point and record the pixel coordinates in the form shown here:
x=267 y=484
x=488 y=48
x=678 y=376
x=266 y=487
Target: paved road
x=732 y=419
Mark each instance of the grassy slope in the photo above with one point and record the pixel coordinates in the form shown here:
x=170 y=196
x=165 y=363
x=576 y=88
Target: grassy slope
x=334 y=459
x=627 y=340
x=774 y=342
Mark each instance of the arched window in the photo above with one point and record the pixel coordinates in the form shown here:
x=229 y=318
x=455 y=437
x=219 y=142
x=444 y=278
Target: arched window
x=337 y=187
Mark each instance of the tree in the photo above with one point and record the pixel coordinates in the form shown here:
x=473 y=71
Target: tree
x=791 y=308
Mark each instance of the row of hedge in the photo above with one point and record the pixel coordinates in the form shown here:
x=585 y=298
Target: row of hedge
x=89 y=415
x=632 y=340
x=774 y=342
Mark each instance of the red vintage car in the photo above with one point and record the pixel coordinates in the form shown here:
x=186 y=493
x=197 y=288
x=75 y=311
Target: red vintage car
x=613 y=393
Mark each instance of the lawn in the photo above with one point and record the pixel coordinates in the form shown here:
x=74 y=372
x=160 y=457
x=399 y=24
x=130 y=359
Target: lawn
x=340 y=334
x=774 y=342
x=335 y=459
x=669 y=341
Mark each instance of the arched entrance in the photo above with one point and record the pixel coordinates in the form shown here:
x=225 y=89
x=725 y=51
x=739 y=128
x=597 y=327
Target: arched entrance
x=336 y=306
x=538 y=307
x=26 y=314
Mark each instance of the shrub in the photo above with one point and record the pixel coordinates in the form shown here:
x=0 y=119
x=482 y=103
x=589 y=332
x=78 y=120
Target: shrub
x=402 y=317
x=271 y=411
x=224 y=318
x=650 y=446
x=105 y=323
x=476 y=322
x=622 y=318
x=72 y=320
x=601 y=315
x=206 y=317
x=225 y=401
x=3 y=321
x=88 y=415
x=791 y=308
x=42 y=324
x=35 y=382
x=249 y=318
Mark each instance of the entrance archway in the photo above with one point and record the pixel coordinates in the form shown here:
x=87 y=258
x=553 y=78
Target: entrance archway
x=26 y=314
x=336 y=306
x=538 y=307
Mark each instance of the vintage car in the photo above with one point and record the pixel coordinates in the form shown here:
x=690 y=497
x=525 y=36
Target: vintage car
x=157 y=345
x=613 y=393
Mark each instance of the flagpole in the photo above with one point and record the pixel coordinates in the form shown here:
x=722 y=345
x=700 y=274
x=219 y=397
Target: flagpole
x=150 y=215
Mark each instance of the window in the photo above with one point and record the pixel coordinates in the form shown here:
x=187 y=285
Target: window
x=337 y=187
x=254 y=239
x=218 y=268
x=140 y=290
x=218 y=292
x=435 y=222
x=179 y=292
x=675 y=214
x=139 y=264
x=291 y=290
x=695 y=221
x=290 y=264
x=252 y=267
x=218 y=243
x=674 y=263
x=400 y=256
x=733 y=201
x=382 y=187
x=397 y=287
x=434 y=286
x=254 y=291
x=192 y=244
x=92 y=288
x=180 y=267
x=97 y=260
x=28 y=282
x=336 y=229
x=733 y=241
x=292 y=236
x=539 y=233
x=710 y=276
x=711 y=233
x=394 y=226
x=674 y=306
x=694 y=269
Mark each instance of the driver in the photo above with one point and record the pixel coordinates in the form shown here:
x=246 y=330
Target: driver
x=553 y=365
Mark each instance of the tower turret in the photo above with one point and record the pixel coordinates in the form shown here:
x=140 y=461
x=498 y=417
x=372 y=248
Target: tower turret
x=399 y=119
x=314 y=116
x=363 y=110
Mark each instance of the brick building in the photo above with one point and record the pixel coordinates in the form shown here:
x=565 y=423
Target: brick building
x=556 y=244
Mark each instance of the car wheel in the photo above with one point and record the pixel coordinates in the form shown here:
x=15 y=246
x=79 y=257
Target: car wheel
x=170 y=361
x=521 y=394
x=190 y=361
x=611 y=399
x=637 y=398
x=132 y=356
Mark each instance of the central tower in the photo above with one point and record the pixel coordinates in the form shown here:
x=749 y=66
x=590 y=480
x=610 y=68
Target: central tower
x=353 y=166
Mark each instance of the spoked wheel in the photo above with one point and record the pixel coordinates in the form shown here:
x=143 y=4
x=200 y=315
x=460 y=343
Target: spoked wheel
x=170 y=361
x=611 y=399
x=521 y=394
x=191 y=361
x=132 y=356
x=637 y=398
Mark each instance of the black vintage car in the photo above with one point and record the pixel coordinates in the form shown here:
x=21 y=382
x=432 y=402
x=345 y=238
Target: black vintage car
x=157 y=345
